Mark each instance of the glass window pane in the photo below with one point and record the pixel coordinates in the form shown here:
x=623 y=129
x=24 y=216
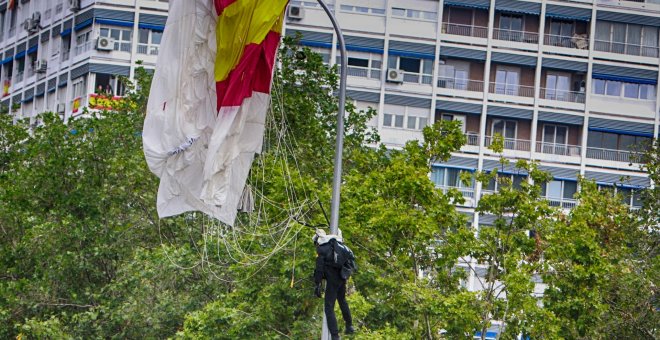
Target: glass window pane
x=549 y=133
x=510 y=129
x=599 y=86
x=409 y=64
x=631 y=90
x=143 y=36
x=613 y=88
x=156 y=37
x=439 y=176
x=498 y=127
x=399 y=12
x=105 y=32
x=114 y=33
x=554 y=189
x=392 y=62
x=453 y=177
x=358 y=62
x=428 y=66
x=412 y=122
x=517 y=180
x=491 y=185
x=647 y=92
x=626 y=142
x=610 y=140
x=398 y=121
x=594 y=139
x=387 y=119
x=570 y=188
x=561 y=135
x=422 y=122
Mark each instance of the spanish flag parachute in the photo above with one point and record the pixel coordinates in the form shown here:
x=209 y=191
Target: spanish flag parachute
x=208 y=102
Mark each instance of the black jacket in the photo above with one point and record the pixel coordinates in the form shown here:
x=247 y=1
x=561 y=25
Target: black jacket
x=323 y=268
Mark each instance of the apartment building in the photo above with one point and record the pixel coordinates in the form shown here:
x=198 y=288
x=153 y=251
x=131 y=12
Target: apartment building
x=64 y=55
x=571 y=84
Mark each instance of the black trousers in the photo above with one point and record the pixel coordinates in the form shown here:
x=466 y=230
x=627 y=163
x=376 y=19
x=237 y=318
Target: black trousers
x=335 y=290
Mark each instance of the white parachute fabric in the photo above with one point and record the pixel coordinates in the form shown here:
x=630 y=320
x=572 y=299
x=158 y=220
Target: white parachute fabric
x=201 y=156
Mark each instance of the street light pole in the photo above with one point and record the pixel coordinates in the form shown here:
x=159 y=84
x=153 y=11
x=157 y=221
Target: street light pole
x=339 y=147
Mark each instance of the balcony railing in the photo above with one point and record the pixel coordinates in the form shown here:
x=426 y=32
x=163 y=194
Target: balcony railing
x=565 y=203
x=558 y=149
x=610 y=154
x=512 y=89
x=512 y=144
x=80 y=49
x=514 y=35
x=579 y=41
x=465 y=30
x=411 y=77
x=149 y=49
x=625 y=48
x=472 y=139
x=562 y=95
x=364 y=72
x=467 y=192
x=461 y=84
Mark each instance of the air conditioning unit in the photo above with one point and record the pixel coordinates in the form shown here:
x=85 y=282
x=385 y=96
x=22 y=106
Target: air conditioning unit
x=105 y=44
x=40 y=66
x=61 y=108
x=74 y=5
x=296 y=12
x=394 y=76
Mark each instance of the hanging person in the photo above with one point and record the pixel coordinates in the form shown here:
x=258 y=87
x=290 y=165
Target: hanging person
x=334 y=263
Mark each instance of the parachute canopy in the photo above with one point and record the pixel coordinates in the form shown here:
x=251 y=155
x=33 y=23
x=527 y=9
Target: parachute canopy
x=208 y=102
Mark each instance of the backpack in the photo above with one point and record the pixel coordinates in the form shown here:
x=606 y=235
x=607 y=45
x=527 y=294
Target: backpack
x=342 y=258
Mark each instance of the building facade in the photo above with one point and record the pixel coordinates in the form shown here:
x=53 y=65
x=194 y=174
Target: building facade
x=63 y=55
x=571 y=84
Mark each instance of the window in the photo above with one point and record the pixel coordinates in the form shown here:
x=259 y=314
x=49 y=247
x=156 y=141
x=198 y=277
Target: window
x=613 y=141
x=449 y=177
x=558 y=190
x=555 y=134
x=362 y=10
x=506 y=128
x=561 y=28
x=451 y=117
x=362 y=64
x=149 y=41
x=66 y=46
x=494 y=184
x=413 y=14
x=2 y=25
x=615 y=88
x=507 y=80
x=454 y=75
x=557 y=86
x=79 y=87
x=121 y=36
x=12 y=22
x=416 y=70
x=83 y=43
x=629 y=196
x=510 y=28
x=629 y=39
x=417 y=123
x=393 y=120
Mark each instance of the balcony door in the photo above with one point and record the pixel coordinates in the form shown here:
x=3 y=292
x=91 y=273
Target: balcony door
x=507 y=80
x=561 y=33
x=557 y=86
x=508 y=130
x=454 y=75
x=555 y=139
x=511 y=27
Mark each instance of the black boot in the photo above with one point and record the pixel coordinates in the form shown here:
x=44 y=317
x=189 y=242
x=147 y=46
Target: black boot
x=335 y=337
x=349 y=329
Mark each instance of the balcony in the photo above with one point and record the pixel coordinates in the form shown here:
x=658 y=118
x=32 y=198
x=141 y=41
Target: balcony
x=460 y=84
x=564 y=203
x=579 y=41
x=558 y=149
x=19 y=76
x=465 y=30
x=511 y=90
x=412 y=77
x=65 y=55
x=12 y=31
x=517 y=36
x=562 y=95
x=625 y=48
x=472 y=139
x=363 y=72
x=512 y=144
x=149 y=49
x=610 y=154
